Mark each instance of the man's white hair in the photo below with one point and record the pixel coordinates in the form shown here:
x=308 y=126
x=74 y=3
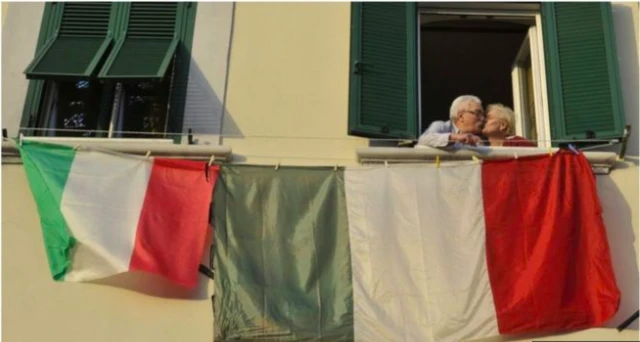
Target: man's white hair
x=458 y=102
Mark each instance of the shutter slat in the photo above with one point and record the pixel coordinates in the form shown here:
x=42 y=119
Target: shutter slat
x=150 y=42
x=90 y=17
x=81 y=42
x=582 y=69
x=152 y=20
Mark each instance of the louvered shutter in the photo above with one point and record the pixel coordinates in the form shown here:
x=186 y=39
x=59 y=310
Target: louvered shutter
x=383 y=71
x=150 y=42
x=80 y=42
x=582 y=70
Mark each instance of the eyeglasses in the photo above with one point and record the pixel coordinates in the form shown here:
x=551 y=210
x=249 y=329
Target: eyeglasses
x=478 y=112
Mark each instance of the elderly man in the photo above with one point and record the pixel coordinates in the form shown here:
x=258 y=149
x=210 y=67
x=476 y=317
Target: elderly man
x=466 y=120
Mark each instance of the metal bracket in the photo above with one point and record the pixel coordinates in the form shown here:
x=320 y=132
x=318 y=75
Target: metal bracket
x=623 y=142
x=190 y=136
x=206 y=271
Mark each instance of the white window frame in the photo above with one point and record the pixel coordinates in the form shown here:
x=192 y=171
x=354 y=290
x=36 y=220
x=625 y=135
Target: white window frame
x=536 y=47
x=519 y=85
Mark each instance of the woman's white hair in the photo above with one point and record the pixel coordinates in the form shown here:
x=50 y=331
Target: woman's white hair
x=458 y=102
x=505 y=114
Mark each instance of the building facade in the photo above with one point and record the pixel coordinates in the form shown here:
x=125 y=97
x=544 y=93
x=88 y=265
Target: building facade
x=275 y=83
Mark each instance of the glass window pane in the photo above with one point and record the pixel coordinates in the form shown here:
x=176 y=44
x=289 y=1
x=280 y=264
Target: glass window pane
x=145 y=108
x=77 y=109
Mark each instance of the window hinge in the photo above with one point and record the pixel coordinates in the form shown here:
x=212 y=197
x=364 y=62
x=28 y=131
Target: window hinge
x=358 y=68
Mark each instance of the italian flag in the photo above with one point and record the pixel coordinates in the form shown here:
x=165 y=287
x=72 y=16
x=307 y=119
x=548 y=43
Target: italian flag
x=104 y=213
x=457 y=252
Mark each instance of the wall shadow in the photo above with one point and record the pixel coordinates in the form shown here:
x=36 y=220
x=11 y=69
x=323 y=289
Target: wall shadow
x=618 y=219
x=627 y=52
x=205 y=110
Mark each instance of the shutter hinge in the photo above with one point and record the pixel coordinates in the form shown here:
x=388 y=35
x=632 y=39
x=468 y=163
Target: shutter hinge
x=358 y=68
x=385 y=129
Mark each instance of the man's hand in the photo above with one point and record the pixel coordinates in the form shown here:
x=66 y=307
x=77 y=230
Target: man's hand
x=465 y=138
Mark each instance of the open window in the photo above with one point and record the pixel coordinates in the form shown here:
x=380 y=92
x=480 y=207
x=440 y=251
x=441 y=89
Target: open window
x=553 y=63
x=110 y=70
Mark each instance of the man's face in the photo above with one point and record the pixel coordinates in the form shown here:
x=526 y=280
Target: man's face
x=470 y=118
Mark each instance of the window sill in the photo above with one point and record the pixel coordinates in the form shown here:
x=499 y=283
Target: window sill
x=601 y=162
x=155 y=147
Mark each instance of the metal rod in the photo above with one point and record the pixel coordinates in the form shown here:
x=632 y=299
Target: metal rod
x=628 y=321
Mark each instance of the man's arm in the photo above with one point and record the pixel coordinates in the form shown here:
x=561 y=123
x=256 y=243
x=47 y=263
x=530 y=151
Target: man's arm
x=437 y=135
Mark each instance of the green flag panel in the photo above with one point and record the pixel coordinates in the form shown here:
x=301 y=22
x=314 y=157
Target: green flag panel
x=282 y=257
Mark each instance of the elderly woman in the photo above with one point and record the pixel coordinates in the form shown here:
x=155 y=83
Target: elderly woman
x=499 y=127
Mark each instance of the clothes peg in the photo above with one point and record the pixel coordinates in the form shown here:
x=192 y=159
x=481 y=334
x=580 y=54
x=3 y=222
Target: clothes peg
x=515 y=156
x=386 y=163
x=573 y=149
x=335 y=168
x=475 y=159
x=20 y=139
x=277 y=165
x=211 y=160
x=550 y=152
x=75 y=148
x=437 y=162
x=148 y=154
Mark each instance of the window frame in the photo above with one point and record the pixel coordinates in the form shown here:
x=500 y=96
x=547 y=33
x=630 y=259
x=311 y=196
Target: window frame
x=536 y=50
x=553 y=118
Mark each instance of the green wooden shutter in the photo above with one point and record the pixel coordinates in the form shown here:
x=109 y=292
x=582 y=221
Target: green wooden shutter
x=150 y=43
x=51 y=17
x=79 y=43
x=582 y=70
x=383 y=71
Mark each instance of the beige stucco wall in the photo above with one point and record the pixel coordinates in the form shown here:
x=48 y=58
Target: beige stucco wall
x=20 y=29
x=289 y=77
x=4 y=10
x=281 y=96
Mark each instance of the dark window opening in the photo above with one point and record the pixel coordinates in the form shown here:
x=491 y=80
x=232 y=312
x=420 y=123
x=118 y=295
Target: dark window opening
x=461 y=56
x=145 y=108
x=72 y=108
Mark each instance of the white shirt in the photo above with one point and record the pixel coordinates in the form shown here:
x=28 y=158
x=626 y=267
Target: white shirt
x=437 y=135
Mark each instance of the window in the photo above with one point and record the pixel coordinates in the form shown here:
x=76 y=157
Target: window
x=103 y=68
x=554 y=63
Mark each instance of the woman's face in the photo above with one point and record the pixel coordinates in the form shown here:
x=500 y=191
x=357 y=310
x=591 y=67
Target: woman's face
x=493 y=126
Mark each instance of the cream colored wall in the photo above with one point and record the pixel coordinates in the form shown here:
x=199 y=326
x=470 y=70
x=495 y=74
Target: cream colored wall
x=4 y=10
x=287 y=77
x=20 y=29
